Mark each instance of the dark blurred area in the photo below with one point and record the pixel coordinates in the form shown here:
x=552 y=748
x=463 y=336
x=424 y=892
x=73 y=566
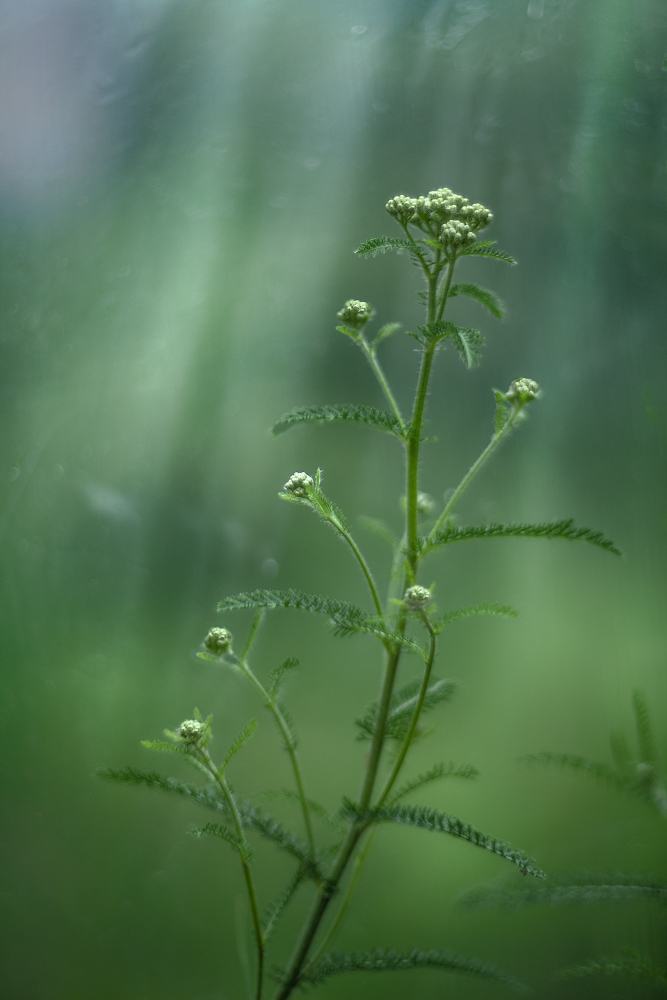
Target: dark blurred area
x=182 y=184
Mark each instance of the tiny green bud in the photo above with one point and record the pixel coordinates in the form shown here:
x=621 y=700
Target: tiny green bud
x=355 y=313
x=297 y=483
x=424 y=503
x=522 y=391
x=218 y=641
x=191 y=731
x=416 y=598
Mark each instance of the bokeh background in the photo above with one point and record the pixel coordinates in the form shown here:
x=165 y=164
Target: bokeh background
x=182 y=184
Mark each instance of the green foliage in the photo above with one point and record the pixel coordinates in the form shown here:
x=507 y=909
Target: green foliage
x=487 y=249
x=381 y=960
x=438 y=822
x=469 y=344
x=548 y=529
x=594 y=888
x=224 y=833
x=276 y=909
x=485 y=297
x=385 y=331
x=437 y=772
x=295 y=599
x=500 y=610
x=350 y=412
x=633 y=964
x=403 y=704
x=381 y=244
x=380 y=530
x=572 y=762
x=644 y=729
x=277 y=675
x=242 y=738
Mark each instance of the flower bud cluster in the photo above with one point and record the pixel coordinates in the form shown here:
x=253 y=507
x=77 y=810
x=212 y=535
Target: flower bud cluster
x=218 y=641
x=431 y=211
x=457 y=234
x=424 y=503
x=522 y=391
x=298 y=484
x=355 y=313
x=416 y=598
x=191 y=731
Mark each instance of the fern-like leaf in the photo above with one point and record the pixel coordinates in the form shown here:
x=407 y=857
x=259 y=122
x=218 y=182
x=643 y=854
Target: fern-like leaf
x=385 y=331
x=644 y=729
x=500 y=610
x=439 y=822
x=388 y=960
x=572 y=762
x=551 y=529
x=278 y=673
x=242 y=738
x=469 y=344
x=295 y=599
x=485 y=297
x=381 y=244
x=487 y=249
x=403 y=704
x=350 y=412
x=434 y=774
x=224 y=833
x=276 y=909
x=632 y=964
x=605 y=888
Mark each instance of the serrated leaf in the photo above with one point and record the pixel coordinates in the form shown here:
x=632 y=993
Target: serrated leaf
x=278 y=673
x=434 y=774
x=644 y=729
x=402 y=706
x=276 y=909
x=550 y=529
x=572 y=762
x=632 y=964
x=605 y=889
x=388 y=960
x=224 y=833
x=242 y=738
x=385 y=331
x=469 y=344
x=501 y=610
x=438 y=822
x=484 y=296
x=487 y=249
x=381 y=244
x=351 y=412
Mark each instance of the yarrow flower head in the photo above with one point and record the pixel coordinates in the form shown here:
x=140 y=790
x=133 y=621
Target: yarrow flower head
x=297 y=484
x=522 y=391
x=457 y=234
x=402 y=208
x=355 y=313
x=416 y=598
x=218 y=641
x=191 y=731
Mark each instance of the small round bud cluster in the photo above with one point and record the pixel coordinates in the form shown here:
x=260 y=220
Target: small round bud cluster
x=355 y=313
x=476 y=216
x=522 y=391
x=424 y=503
x=191 y=731
x=297 y=484
x=457 y=234
x=402 y=208
x=218 y=641
x=416 y=598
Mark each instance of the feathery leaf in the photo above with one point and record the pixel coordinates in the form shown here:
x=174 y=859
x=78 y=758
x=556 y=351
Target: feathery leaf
x=469 y=344
x=224 y=833
x=596 y=769
x=550 y=529
x=385 y=331
x=388 y=960
x=605 y=889
x=293 y=599
x=381 y=244
x=501 y=610
x=242 y=738
x=352 y=412
x=403 y=704
x=644 y=728
x=275 y=910
x=278 y=673
x=434 y=774
x=621 y=754
x=485 y=297
x=487 y=249
x=632 y=964
x=439 y=822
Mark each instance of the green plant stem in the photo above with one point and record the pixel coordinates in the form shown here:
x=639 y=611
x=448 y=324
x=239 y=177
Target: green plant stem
x=447 y=286
x=415 y=717
x=362 y=562
x=247 y=874
x=472 y=472
x=384 y=385
x=413 y=444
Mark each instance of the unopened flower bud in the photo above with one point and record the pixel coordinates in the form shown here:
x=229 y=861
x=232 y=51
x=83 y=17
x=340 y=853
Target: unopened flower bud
x=402 y=208
x=355 y=313
x=218 y=641
x=457 y=234
x=416 y=598
x=424 y=503
x=297 y=484
x=523 y=391
x=191 y=731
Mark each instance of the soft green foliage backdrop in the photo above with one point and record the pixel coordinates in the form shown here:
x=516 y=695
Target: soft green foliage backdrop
x=182 y=187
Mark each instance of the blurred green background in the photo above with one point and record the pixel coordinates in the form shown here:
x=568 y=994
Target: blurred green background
x=182 y=184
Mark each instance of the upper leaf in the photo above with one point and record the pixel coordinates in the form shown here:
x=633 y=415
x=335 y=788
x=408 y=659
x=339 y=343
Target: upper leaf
x=485 y=297
x=434 y=774
x=486 y=250
x=551 y=529
x=439 y=822
x=381 y=244
x=352 y=412
x=501 y=610
x=293 y=599
x=388 y=960
x=469 y=344
x=594 y=887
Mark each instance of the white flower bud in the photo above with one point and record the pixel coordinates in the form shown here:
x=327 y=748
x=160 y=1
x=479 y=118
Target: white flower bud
x=297 y=483
x=522 y=391
x=456 y=234
x=355 y=313
x=416 y=598
x=218 y=641
x=402 y=208
x=424 y=503
x=191 y=731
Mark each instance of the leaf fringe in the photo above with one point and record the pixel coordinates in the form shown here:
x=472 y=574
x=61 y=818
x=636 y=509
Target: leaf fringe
x=434 y=774
x=381 y=244
x=484 y=296
x=550 y=529
x=350 y=412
